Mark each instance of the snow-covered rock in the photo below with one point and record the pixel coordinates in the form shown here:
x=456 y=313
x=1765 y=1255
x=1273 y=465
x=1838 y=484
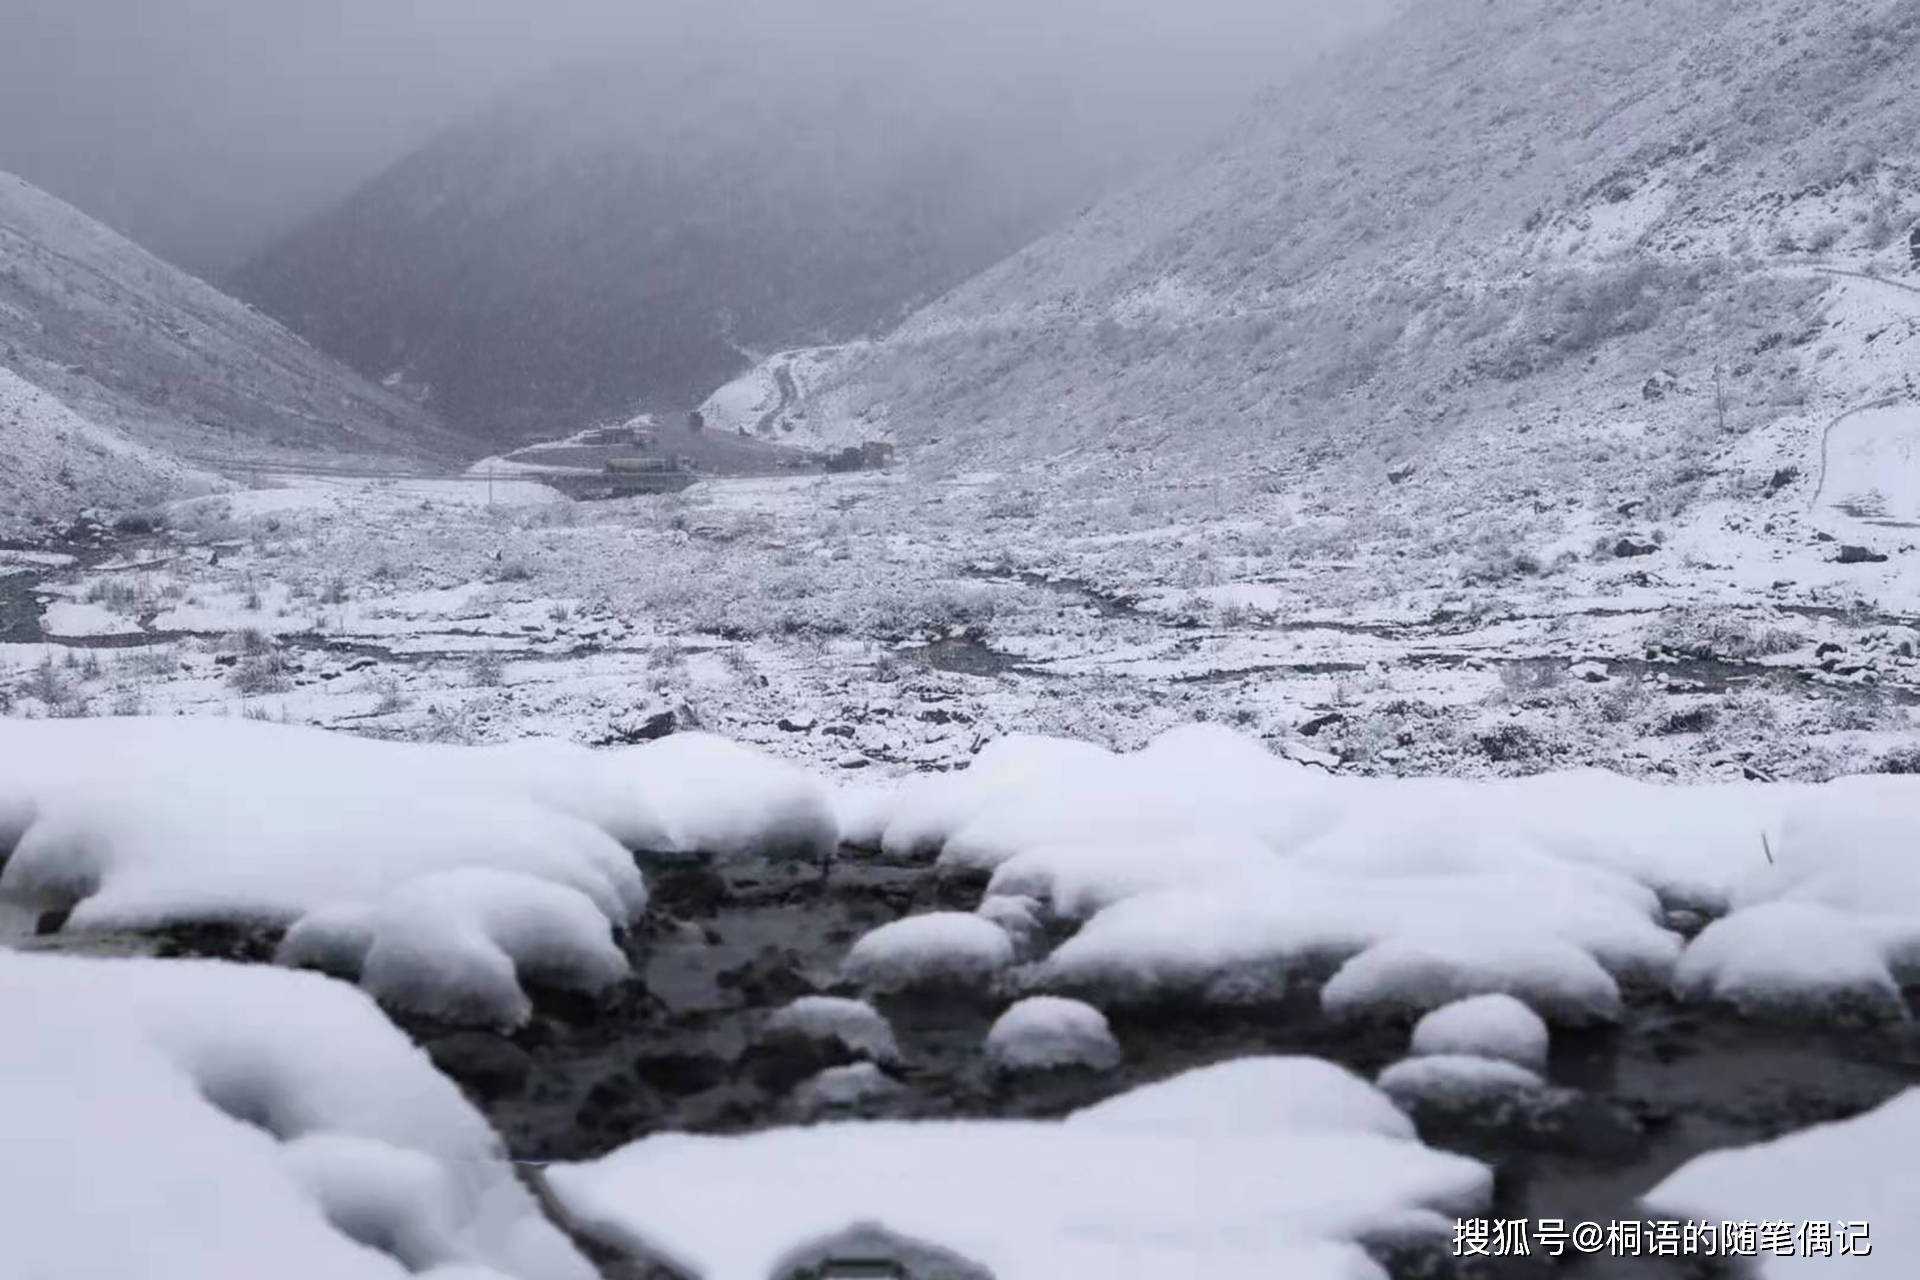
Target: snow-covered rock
x=1046 y=1033
x=1787 y=957
x=1255 y=1095
x=838 y=1087
x=1019 y=915
x=1078 y=879
x=940 y=948
x=927 y=812
x=1489 y=1026
x=266 y=766
x=1457 y=1081
x=1262 y=932
x=1855 y=1180
x=854 y=1023
x=720 y=799
x=1427 y=968
x=1288 y=1193
x=302 y=1124
x=1189 y=786
x=459 y=945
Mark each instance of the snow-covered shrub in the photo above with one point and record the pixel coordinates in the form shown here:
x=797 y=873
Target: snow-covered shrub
x=1737 y=635
x=1046 y=1033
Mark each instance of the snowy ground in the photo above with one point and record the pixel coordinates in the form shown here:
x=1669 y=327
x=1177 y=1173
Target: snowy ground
x=1378 y=884
x=1145 y=1044
x=894 y=623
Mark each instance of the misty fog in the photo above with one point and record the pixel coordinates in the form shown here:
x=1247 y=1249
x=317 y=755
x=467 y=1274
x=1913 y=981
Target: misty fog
x=207 y=128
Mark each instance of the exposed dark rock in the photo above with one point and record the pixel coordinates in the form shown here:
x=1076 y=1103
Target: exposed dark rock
x=218 y=940
x=490 y=1065
x=783 y=1059
x=1627 y=548
x=1320 y=723
x=1859 y=555
x=681 y=1073
x=774 y=977
x=655 y=727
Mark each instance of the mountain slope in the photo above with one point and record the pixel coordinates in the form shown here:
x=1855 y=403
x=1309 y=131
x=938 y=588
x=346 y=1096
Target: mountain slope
x=1460 y=243
x=619 y=236
x=140 y=347
x=59 y=464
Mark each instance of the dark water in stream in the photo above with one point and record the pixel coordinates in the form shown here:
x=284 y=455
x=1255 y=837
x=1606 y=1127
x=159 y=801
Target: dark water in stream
x=682 y=1048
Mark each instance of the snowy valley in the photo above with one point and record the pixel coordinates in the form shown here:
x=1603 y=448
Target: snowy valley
x=1371 y=730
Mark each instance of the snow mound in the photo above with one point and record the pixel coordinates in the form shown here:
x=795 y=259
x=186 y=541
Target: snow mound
x=1457 y=1081
x=1429 y=968
x=199 y=1121
x=940 y=948
x=927 y=812
x=441 y=876
x=224 y=762
x=839 y=1087
x=1780 y=958
x=458 y=946
x=1490 y=1026
x=861 y=812
x=1047 y=1033
x=854 y=1023
x=144 y=855
x=1862 y=1167
x=1848 y=845
x=722 y=800
x=1036 y=1201
x=1187 y=786
x=1077 y=880
x=1254 y=1096
x=1250 y=937
x=1018 y=915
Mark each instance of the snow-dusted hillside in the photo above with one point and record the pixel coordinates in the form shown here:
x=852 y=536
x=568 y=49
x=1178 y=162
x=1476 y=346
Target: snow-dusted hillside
x=136 y=345
x=631 y=234
x=771 y=399
x=1488 y=243
x=58 y=463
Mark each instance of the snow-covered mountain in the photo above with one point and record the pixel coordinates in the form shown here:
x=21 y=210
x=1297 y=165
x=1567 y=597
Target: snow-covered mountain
x=630 y=235
x=58 y=463
x=146 y=351
x=1567 y=246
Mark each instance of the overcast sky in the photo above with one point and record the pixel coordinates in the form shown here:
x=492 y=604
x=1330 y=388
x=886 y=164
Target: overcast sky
x=203 y=128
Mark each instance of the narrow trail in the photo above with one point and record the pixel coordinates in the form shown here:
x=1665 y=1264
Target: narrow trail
x=789 y=392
